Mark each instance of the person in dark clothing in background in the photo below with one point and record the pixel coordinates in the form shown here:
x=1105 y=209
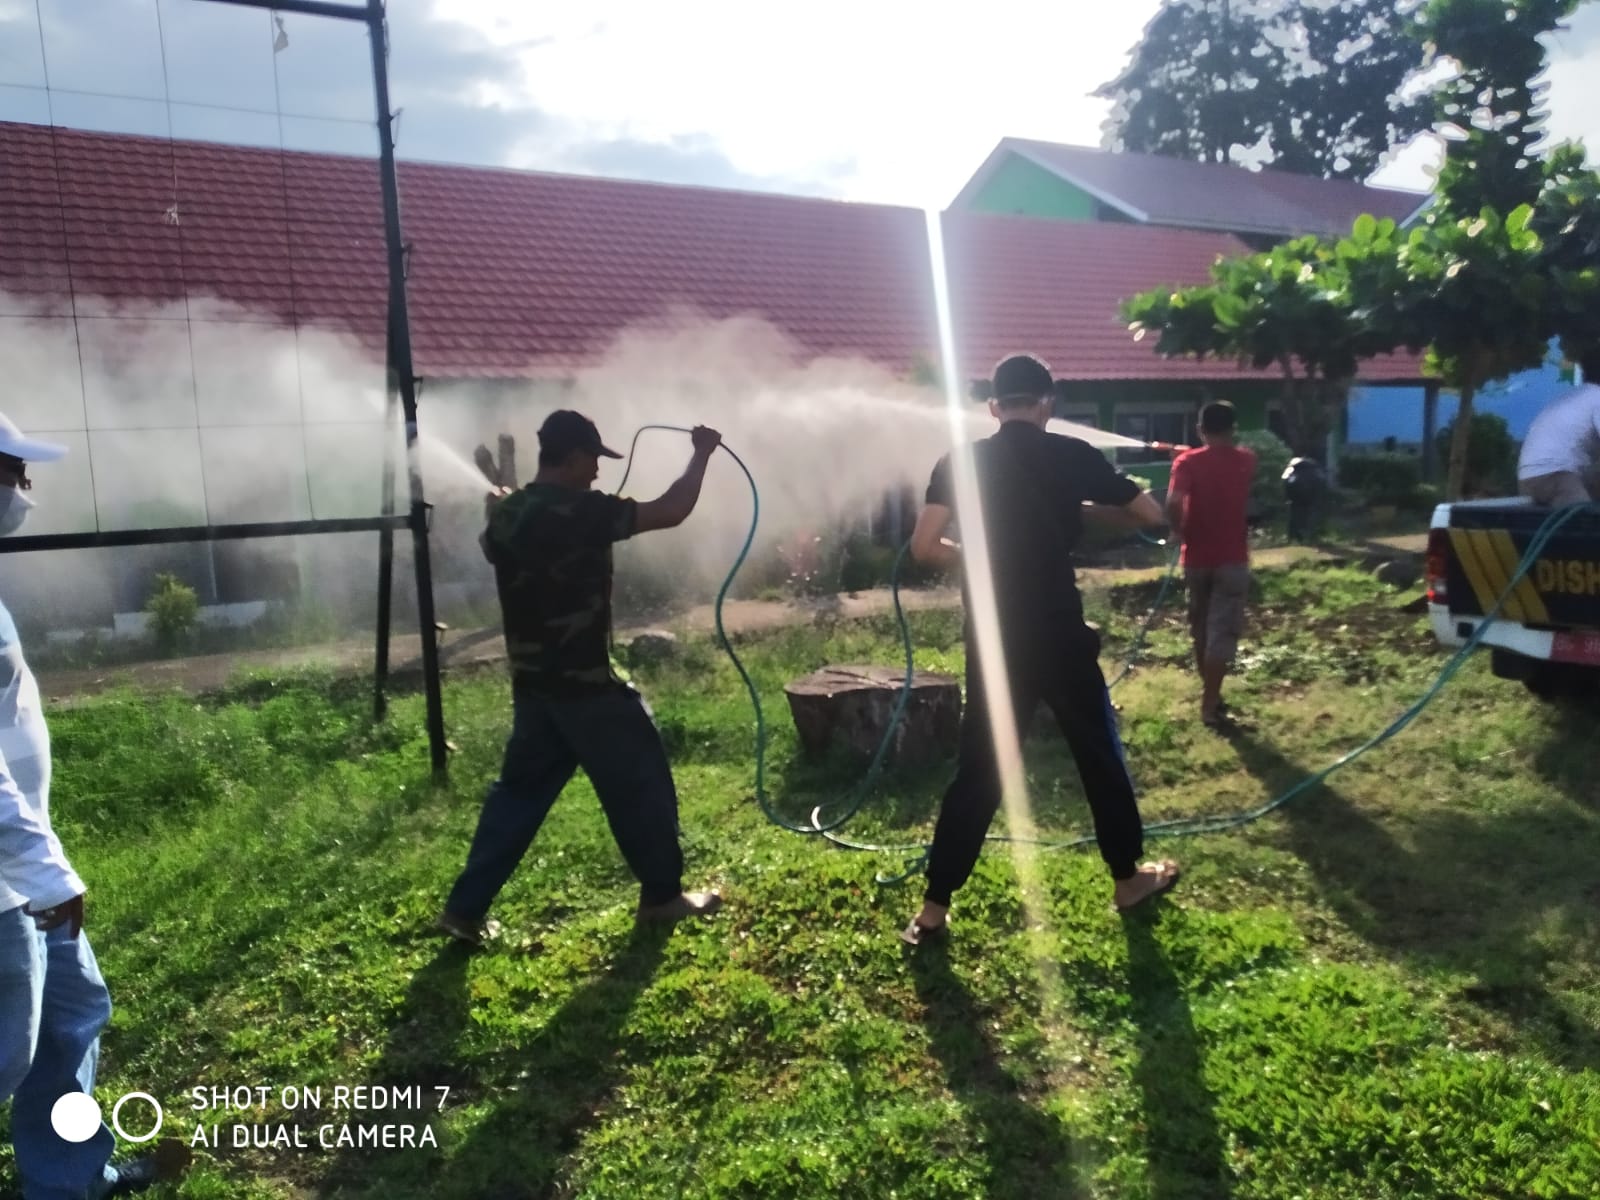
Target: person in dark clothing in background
x=1033 y=489
x=1304 y=486
x=550 y=544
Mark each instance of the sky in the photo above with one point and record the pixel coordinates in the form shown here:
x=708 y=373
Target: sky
x=880 y=101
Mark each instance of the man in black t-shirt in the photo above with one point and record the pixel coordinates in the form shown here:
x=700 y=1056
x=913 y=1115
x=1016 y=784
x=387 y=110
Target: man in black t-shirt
x=550 y=544
x=1034 y=489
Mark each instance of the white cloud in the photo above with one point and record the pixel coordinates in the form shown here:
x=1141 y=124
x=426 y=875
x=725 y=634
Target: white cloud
x=911 y=98
x=877 y=100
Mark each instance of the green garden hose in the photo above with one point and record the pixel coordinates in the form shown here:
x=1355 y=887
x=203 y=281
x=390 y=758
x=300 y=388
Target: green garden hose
x=1178 y=827
x=852 y=804
x=1191 y=826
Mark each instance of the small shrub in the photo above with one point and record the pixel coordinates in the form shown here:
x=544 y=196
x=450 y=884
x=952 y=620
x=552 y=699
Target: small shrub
x=868 y=564
x=1382 y=478
x=1491 y=455
x=173 y=609
x=1272 y=457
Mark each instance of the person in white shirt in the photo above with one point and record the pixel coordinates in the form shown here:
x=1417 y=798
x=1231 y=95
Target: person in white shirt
x=1560 y=461
x=53 y=1001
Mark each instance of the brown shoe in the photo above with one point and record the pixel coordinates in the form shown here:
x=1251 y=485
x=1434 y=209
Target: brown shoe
x=684 y=904
x=473 y=933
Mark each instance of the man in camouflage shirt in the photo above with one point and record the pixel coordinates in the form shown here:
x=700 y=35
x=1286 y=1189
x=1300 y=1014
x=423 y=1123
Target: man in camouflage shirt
x=550 y=544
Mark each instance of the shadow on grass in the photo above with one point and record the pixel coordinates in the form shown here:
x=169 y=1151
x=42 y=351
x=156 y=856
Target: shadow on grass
x=1029 y=1153
x=421 y=1049
x=557 y=1083
x=1187 y=1158
x=1474 y=895
x=1567 y=756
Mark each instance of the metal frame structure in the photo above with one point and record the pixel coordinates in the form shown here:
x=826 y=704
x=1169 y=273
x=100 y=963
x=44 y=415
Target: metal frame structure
x=402 y=387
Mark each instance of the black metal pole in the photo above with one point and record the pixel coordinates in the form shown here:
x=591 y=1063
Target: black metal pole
x=101 y=539
x=402 y=378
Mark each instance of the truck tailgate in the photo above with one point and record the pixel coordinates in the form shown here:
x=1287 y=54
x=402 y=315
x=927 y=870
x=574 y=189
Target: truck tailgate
x=1561 y=591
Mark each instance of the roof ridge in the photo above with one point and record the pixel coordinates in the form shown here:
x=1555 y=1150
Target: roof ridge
x=1264 y=170
x=404 y=163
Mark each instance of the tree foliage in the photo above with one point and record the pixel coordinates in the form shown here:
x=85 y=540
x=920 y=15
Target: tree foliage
x=1490 y=111
x=1480 y=272
x=1491 y=458
x=1567 y=222
x=1507 y=257
x=1315 y=82
x=1311 y=308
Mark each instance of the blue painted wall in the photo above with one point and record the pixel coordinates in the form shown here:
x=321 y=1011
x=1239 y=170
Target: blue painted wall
x=1379 y=413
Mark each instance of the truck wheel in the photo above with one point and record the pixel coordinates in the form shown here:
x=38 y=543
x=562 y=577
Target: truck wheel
x=1564 y=683
x=1544 y=684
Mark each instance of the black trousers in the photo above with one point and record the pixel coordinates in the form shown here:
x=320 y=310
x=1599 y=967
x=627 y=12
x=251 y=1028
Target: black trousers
x=1062 y=670
x=1301 y=514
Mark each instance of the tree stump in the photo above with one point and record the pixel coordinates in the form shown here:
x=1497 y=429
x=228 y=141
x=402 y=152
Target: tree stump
x=849 y=707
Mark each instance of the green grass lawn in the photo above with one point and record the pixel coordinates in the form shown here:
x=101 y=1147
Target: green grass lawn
x=1390 y=988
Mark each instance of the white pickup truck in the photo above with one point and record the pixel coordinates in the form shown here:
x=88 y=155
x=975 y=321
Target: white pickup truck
x=1548 y=633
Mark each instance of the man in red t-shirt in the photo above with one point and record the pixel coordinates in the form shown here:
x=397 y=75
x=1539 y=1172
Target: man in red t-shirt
x=1208 y=502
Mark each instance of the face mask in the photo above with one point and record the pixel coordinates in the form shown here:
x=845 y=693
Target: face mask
x=14 y=508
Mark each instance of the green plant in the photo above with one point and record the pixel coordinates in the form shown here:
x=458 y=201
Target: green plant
x=173 y=609
x=1491 y=463
x=1272 y=457
x=868 y=564
x=1382 y=478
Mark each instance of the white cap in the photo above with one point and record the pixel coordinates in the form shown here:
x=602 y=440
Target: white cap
x=18 y=445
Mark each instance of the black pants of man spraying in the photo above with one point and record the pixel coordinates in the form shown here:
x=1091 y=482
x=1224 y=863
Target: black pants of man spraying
x=1060 y=669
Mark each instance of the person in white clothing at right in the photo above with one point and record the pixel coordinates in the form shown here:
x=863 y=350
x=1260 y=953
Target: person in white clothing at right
x=1560 y=462
x=53 y=1000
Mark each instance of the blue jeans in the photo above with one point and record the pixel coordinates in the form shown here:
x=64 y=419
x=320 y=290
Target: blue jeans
x=53 y=1005
x=611 y=736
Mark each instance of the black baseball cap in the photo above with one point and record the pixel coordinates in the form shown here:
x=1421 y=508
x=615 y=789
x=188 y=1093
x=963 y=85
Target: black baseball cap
x=564 y=431
x=1022 y=376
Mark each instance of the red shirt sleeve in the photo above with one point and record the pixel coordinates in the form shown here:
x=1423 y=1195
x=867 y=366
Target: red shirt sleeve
x=1179 y=481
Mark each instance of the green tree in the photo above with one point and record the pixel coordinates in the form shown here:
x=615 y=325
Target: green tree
x=1317 y=82
x=1567 y=220
x=1490 y=111
x=1488 y=296
x=1483 y=298
x=1311 y=308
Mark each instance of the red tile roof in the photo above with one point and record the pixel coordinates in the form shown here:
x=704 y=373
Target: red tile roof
x=1023 y=284
x=518 y=273
x=1196 y=195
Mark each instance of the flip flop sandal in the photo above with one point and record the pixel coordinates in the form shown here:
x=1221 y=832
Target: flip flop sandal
x=1174 y=873
x=917 y=934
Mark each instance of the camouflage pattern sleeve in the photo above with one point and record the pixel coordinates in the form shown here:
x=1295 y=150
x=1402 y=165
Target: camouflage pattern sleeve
x=601 y=519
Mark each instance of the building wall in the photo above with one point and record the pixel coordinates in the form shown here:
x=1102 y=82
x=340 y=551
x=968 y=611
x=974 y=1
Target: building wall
x=1377 y=414
x=1023 y=188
